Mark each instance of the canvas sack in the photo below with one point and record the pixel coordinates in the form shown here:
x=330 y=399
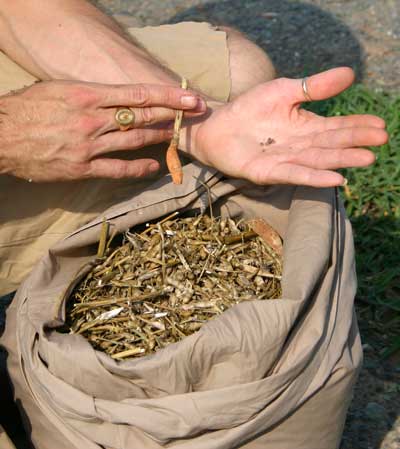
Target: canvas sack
x=274 y=374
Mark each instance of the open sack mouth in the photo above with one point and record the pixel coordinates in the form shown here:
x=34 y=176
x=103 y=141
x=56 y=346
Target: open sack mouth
x=150 y=288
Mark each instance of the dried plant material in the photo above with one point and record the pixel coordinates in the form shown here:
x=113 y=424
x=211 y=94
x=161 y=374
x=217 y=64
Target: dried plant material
x=110 y=314
x=103 y=239
x=164 y=283
x=267 y=233
x=173 y=163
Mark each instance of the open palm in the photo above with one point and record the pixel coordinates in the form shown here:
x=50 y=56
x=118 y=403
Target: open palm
x=266 y=137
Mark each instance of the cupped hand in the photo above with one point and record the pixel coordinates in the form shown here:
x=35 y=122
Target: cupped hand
x=61 y=130
x=266 y=137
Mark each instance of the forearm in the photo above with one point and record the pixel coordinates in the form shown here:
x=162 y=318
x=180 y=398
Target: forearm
x=71 y=39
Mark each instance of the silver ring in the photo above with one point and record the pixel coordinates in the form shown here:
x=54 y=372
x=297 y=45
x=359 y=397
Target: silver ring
x=125 y=118
x=305 y=90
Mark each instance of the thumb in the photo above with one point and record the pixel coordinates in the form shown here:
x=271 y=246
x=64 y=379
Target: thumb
x=322 y=85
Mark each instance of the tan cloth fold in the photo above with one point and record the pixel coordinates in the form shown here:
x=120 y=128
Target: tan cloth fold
x=274 y=374
x=5 y=442
x=34 y=217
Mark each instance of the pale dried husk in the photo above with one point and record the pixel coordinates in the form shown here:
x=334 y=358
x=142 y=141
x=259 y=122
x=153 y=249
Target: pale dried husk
x=166 y=282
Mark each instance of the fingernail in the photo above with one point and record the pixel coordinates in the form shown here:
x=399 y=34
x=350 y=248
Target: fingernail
x=188 y=101
x=153 y=167
x=201 y=105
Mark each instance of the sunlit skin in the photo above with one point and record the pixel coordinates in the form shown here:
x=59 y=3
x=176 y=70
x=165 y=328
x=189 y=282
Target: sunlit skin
x=266 y=137
x=61 y=130
x=53 y=142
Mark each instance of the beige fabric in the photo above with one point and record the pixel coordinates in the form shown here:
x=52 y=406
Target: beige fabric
x=35 y=216
x=5 y=442
x=266 y=374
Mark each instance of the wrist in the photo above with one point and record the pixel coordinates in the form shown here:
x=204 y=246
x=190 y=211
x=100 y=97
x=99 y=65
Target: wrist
x=193 y=135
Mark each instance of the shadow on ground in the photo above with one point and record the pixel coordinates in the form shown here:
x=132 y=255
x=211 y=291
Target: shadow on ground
x=300 y=38
x=375 y=408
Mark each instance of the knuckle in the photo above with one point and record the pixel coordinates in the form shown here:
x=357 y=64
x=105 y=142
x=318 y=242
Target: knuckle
x=87 y=124
x=148 y=116
x=340 y=159
x=124 y=169
x=77 y=153
x=281 y=86
x=139 y=172
x=84 y=152
x=310 y=178
x=319 y=160
x=169 y=96
x=353 y=136
x=137 y=139
x=136 y=170
x=281 y=82
x=312 y=141
x=140 y=94
x=119 y=171
x=81 y=96
x=83 y=171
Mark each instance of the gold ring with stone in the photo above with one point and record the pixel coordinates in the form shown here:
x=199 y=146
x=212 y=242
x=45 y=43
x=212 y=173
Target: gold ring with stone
x=305 y=90
x=125 y=118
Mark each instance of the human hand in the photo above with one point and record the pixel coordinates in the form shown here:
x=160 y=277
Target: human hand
x=61 y=130
x=264 y=135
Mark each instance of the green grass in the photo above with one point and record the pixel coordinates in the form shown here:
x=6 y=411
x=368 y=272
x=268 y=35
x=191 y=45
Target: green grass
x=372 y=201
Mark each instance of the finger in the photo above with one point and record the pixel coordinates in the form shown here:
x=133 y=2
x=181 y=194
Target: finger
x=322 y=85
x=116 y=168
x=143 y=95
x=143 y=117
x=333 y=159
x=151 y=115
x=350 y=137
x=129 y=140
x=349 y=121
x=288 y=173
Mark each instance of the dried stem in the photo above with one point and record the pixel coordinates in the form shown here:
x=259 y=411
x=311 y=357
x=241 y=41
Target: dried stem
x=173 y=163
x=167 y=282
x=103 y=239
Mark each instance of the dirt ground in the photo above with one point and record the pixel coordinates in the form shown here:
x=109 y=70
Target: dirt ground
x=300 y=36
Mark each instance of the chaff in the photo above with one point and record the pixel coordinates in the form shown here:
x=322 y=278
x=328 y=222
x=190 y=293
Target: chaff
x=166 y=282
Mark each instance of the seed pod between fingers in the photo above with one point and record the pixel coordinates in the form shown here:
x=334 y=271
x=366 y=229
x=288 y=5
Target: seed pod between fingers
x=172 y=157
